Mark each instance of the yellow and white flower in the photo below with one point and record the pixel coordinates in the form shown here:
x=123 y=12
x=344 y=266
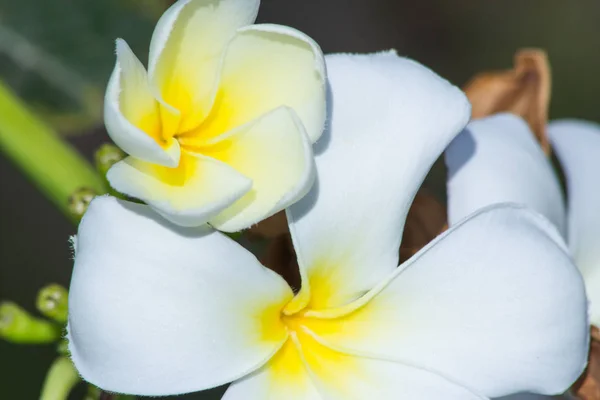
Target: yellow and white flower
x=160 y=309
x=497 y=159
x=220 y=128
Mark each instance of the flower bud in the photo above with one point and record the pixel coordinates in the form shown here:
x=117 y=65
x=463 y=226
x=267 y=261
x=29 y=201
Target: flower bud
x=106 y=156
x=79 y=202
x=18 y=326
x=52 y=302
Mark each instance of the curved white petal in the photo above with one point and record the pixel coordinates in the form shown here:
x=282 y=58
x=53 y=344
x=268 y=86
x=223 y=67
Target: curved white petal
x=531 y=396
x=391 y=119
x=275 y=153
x=266 y=67
x=496 y=160
x=186 y=51
x=591 y=277
x=305 y=369
x=189 y=195
x=283 y=377
x=495 y=303
x=157 y=309
x=131 y=113
x=577 y=146
x=344 y=377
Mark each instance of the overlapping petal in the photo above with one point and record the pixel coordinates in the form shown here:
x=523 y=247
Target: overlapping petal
x=189 y=195
x=305 y=369
x=186 y=52
x=495 y=160
x=275 y=153
x=283 y=377
x=265 y=67
x=532 y=396
x=341 y=376
x=391 y=119
x=577 y=146
x=131 y=112
x=159 y=309
x=495 y=303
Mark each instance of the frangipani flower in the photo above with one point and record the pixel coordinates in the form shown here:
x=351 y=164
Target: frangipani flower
x=160 y=309
x=220 y=128
x=497 y=160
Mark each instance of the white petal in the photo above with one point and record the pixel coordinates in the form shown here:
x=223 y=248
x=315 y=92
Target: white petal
x=266 y=67
x=283 y=377
x=592 y=283
x=131 y=113
x=531 y=396
x=344 y=377
x=495 y=303
x=496 y=160
x=391 y=119
x=156 y=309
x=186 y=50
x=189 y=195
x=577 y=145
x=339 y=376
x=276 y=154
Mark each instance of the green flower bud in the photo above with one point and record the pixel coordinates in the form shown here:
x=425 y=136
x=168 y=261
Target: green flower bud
x=52 y=302
x=18 y=326
x=79 y=202
x=106 y=156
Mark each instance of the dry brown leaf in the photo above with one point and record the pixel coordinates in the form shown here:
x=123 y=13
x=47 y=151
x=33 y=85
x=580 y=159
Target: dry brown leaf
x=281 y=258
x=523 y=90
x=588 y=386
x=426 y=219
x=271 y=227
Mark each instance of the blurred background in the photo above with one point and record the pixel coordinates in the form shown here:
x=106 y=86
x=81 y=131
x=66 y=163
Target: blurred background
x=58 y=54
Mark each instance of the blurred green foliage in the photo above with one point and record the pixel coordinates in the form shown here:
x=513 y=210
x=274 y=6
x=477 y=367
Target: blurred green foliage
x=57 y=54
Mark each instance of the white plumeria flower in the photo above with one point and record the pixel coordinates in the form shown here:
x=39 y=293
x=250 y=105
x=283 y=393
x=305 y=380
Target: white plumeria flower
x=497 y=159
x=157 y=309
x=220 y=128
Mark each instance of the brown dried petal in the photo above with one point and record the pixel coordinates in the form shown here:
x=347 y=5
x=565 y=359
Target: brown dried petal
x=524 y=91
x=426 y=219
x=588 y=386
x=280 y=257
x=271 y=227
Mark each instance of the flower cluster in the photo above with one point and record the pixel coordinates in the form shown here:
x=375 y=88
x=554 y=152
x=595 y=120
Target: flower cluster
x=220 y=134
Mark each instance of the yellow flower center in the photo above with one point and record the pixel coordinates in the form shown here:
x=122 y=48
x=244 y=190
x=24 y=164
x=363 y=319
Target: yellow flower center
x=199 y=140
x=288 y=367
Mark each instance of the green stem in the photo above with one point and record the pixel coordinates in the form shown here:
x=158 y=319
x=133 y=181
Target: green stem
x=60 y=380
x=54 y=166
